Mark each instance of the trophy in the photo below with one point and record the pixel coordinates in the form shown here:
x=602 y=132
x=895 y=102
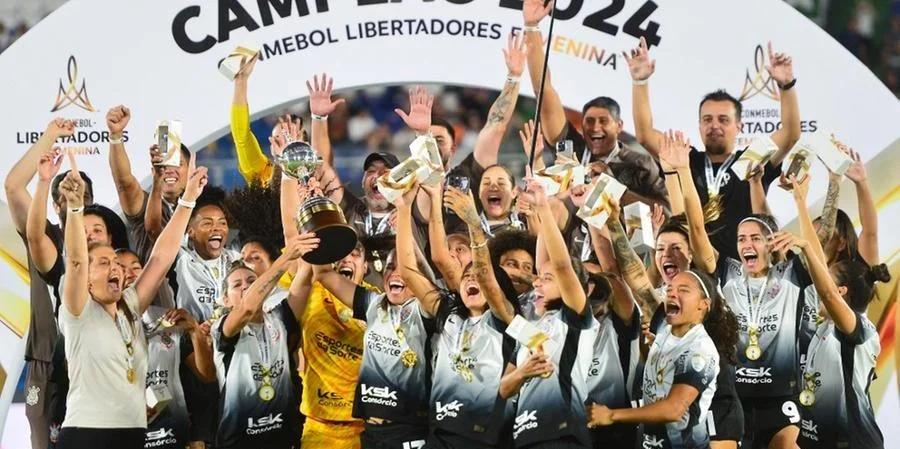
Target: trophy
x=168 y=139
x=317 y=214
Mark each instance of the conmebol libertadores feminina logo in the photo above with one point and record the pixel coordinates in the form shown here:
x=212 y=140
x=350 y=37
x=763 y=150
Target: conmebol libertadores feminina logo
x=760 y=82
x=71 y=94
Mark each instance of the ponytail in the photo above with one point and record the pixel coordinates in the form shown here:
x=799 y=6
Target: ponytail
x=860 y=280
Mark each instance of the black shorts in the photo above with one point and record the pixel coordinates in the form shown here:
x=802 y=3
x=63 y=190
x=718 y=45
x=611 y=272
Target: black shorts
x=203 y=406
x=86 y=438
x=765 y=417
x=439 y=439
x=563 y=443
x=725 y=420
x=393 y=436
x=614 y=436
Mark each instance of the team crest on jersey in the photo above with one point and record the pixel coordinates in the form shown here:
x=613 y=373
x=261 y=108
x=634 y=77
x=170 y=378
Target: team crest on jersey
x=274 y=332
x=405 y=312
x=33 y=395
x=166 y=339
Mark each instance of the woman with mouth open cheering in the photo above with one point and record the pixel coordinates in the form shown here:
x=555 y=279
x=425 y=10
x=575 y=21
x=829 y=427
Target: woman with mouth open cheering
x=105 y=343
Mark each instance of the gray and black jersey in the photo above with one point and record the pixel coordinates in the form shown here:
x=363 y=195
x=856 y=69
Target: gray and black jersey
x=260 y=355
x=841 y=367
x=775 y=305
x=470 y=357
x=200 y=281
x=166 y=349
x=689 y=360
x=552 y=408
x=394 y=379
x=613 y=372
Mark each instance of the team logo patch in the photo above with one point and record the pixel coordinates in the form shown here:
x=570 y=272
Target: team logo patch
x=274 y=333
x=698 y=362
x=166 y=339
x=33 y=395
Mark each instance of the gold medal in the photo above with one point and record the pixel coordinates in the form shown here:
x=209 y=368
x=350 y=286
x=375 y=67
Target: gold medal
x=166 y=323
x=130 y=375
x=379 y=266
x=753 y=352
x=409 y=358
x=266 y=393
x=659 y=376
x=807 y=398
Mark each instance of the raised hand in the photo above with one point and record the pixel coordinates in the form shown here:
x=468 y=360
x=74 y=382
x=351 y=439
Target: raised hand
x=290 y=128
x=463 y=205
x=246 y=68
x=197 y=179
x=857 y=171
x=639 y=63
x=526 y=134
x=320 y=96
x=72 y=186
x=780 y=67
x=117 y=119
x=578 y=194
x=657 y=217
x=48 y=165
x=536 y=191
x=409 y=197
x=533 y=11
x=420 y=104
x=674 y=151
x=301 y=245
x=800 y=188
x=782 y=241
x=514 y=54
x=60 y=127
x=181 y=318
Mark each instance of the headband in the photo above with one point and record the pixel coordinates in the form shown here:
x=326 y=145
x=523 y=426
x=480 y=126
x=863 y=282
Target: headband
x=702 y=285
x=763 y=223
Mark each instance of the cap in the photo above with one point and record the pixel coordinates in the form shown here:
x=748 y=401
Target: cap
x=389 y=159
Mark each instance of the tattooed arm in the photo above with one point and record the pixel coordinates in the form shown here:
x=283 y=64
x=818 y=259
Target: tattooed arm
x=487 y=146
x=829 y=210
x=630 y=266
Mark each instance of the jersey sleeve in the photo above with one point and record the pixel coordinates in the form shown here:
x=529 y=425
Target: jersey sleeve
x=696 y=368
x=859 y=335
x=361 y=300
x=224 y=344
x=628 y=331
x=577 y=320
x=186 y=346
x=252 y=163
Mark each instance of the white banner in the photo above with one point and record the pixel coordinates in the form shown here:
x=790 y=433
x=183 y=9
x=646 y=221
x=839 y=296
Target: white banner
x=160 y=59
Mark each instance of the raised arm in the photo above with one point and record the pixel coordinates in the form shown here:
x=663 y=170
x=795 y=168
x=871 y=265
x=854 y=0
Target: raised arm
x=828 y=221
x=169 y=241
x=253 y=298
x=21 y=173
x=525 y=135
x=570 y=287
x=298 y=293
x=781 y=69
x=807 y=230
x=483 y=269
x=838 y=309
x=252 y=163
x=630 y=266
x=75 y=289
x=868 y=214
x=641 y=68
x=321 y=106
x=758 y=202
x=40 y=247
x=487 y=145
x=437 y=240
x=342 y=288
x=553 y=115
x=622 y=303
x=674 y=154
x=407 y=264
x=153 y=219
x=131 y=196
x=201 y=360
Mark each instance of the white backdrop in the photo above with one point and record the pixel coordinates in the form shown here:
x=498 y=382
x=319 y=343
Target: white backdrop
x=112 y=52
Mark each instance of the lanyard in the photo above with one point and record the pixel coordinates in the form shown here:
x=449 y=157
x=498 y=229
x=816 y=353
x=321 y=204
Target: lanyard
x=586 y=157
x=126 y=332
x=396 y=315
x=754 y=308
x=586 y=247
x=372 y=230
x=713 y=183
x=263 y=346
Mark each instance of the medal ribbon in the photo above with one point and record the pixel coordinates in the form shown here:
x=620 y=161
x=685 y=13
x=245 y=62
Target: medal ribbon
x=126 y=331
x=382 y=225
x=754 y=308
x=713 y=182
x=395 y=325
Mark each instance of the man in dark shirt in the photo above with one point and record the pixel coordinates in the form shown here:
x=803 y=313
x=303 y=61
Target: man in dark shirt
x=720 y=125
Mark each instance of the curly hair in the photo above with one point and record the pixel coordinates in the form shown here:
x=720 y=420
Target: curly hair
x=511 y=240
x=211 y=196
x=720 y=322
x=255 y=210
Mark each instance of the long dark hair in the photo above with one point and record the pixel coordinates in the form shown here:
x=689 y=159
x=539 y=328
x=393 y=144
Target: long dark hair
x=844 y=230
x=115 y=227
x=454 y=304
x=720 y=322
x=860 y=280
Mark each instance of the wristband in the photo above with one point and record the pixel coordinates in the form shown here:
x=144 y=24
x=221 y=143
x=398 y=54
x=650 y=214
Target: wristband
x=532 y=29
x=673 y=172
x=115 y=141
x=76 y=210
x=642 y=82
x=789 y=85
x=187 y=204
x=320 y=118
x=480 y=245
x=512 y=79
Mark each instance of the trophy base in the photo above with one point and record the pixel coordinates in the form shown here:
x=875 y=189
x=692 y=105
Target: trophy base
x=335 y=242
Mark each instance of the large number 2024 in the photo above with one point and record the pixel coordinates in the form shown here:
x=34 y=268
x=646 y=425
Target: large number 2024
x=600 y=20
